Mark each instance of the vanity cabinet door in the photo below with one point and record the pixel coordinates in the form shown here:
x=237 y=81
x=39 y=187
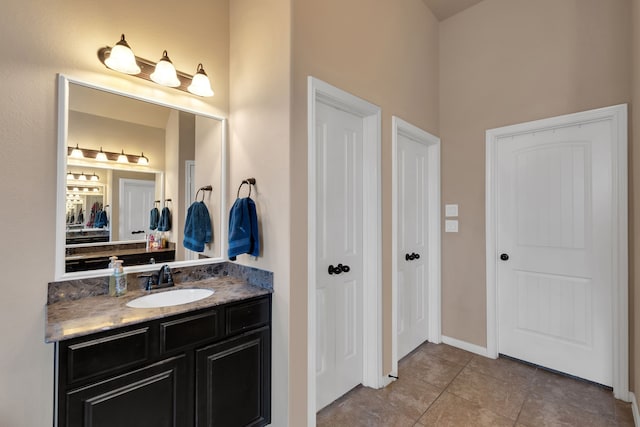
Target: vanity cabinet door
x=233 y=381
x=153 y=396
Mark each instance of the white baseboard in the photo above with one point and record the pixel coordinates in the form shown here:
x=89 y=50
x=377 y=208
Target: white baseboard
x=634 y=408
x=463 y=345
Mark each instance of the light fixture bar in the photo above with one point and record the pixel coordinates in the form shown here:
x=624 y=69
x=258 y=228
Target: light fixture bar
x=90 y=154
x=147 y=68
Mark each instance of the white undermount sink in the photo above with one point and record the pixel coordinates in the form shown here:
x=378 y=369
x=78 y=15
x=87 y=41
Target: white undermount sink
x=170 y=298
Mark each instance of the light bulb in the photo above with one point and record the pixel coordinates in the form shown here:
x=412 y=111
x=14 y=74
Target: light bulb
x=122 y=158
x=200 y=84
x=165 y=72
x=121 y=58
x=101 y=156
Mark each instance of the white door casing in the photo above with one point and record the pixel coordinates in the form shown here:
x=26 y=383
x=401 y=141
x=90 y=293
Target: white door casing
x=136 y=201
x=372 y=376
x=339 y=281
x=556 y=205
x=415 y=229
x=190 y=197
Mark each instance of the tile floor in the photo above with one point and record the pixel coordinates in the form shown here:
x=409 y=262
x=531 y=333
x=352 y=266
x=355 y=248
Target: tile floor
x=441 y=385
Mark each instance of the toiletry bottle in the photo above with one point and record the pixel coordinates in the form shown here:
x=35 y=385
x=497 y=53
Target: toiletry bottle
x=112 y=277
x=121 y=279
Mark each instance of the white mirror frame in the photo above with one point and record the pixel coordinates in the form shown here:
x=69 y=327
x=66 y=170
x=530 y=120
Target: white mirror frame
x=63 y=128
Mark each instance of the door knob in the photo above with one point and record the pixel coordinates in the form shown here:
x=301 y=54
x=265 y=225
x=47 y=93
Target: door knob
x=339 y=269
x=504 y=257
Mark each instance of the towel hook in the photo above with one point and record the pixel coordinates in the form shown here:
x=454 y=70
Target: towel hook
x=249 y=182
x=203 y=189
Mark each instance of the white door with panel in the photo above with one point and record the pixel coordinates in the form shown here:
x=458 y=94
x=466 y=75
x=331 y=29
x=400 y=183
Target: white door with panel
x=554 y=242
x=136 y=201
x=413 y=238
x=339 y=282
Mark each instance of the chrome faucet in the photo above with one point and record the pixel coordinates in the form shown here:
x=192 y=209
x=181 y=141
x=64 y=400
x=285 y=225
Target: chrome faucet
x=163 y=279
x=164 y=276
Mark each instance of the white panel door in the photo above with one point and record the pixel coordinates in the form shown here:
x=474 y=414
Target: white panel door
x=554 y=240
x=339 y=359
x=136 y=201
x=413 y=238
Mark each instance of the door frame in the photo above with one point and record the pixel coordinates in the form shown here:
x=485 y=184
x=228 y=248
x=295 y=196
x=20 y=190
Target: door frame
x=617 y=115
x=406 y=129
x=321 y=92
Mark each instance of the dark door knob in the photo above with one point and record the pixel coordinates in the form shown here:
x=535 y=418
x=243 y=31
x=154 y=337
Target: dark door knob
x=339 y=269
x=412 y=256
x=504 y=257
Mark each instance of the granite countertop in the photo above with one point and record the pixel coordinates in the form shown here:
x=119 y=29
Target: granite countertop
x=69 y=319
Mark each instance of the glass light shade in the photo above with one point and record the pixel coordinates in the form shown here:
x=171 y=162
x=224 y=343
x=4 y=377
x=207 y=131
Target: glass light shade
x=142 y=160
x=122 y=158
x=165 y=72
x=200 y=84
x=76 y=189
x=85 y=189
x=101 y=156
x=82 y=177
x=70 y=176
x=95 y=190
x=121 y=58
x=76 y=153
x=95 y=177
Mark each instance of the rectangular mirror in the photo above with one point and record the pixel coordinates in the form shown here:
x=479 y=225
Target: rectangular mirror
x=128 y=170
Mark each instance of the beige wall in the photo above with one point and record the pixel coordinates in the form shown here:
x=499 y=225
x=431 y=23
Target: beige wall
x=259 y=136
x=386 y=53
x=504 y=62
x=39 y=39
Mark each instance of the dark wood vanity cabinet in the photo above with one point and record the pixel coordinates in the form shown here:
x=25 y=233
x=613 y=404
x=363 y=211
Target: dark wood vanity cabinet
x=211 y=367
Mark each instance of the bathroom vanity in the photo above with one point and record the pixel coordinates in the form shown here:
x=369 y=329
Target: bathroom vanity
x=203 y=363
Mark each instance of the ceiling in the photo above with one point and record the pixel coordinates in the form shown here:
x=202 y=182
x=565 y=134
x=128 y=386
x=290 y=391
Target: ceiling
x=443 y=9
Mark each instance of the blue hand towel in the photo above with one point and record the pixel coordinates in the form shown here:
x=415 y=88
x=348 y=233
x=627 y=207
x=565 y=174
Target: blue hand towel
x=197 y=227
x=243 y=229
x=154 y=217
x=165 y=220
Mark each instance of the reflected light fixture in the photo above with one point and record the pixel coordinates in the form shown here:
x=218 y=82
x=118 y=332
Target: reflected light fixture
x=82 y=177
x=70 y=175
x=121 y=58
x=200 y=84
x=162 y=73
x=142 y=160
x=165 y=72
x=122 y=158
x=101 y=156
x=76 y=153
x=94 y=177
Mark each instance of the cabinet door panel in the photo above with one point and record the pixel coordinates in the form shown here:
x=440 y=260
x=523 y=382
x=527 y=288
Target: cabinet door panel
x=155 y=396
x=233 y=382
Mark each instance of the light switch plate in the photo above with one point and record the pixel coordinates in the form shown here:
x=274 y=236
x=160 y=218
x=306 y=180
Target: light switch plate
x=451 y=210
x=451 y=226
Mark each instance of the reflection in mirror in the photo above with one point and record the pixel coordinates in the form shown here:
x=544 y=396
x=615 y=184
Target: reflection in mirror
x=115 y=205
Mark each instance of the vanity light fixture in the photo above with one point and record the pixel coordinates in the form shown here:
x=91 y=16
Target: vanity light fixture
x=105 y=156
x=163 y=73
x=76 y=153
x=101 y=156
x=122 y=158
x=95 y=177
x=142 y=160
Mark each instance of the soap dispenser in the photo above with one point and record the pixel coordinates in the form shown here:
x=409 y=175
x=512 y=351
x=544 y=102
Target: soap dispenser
x=112 y=277
x=120 y=279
